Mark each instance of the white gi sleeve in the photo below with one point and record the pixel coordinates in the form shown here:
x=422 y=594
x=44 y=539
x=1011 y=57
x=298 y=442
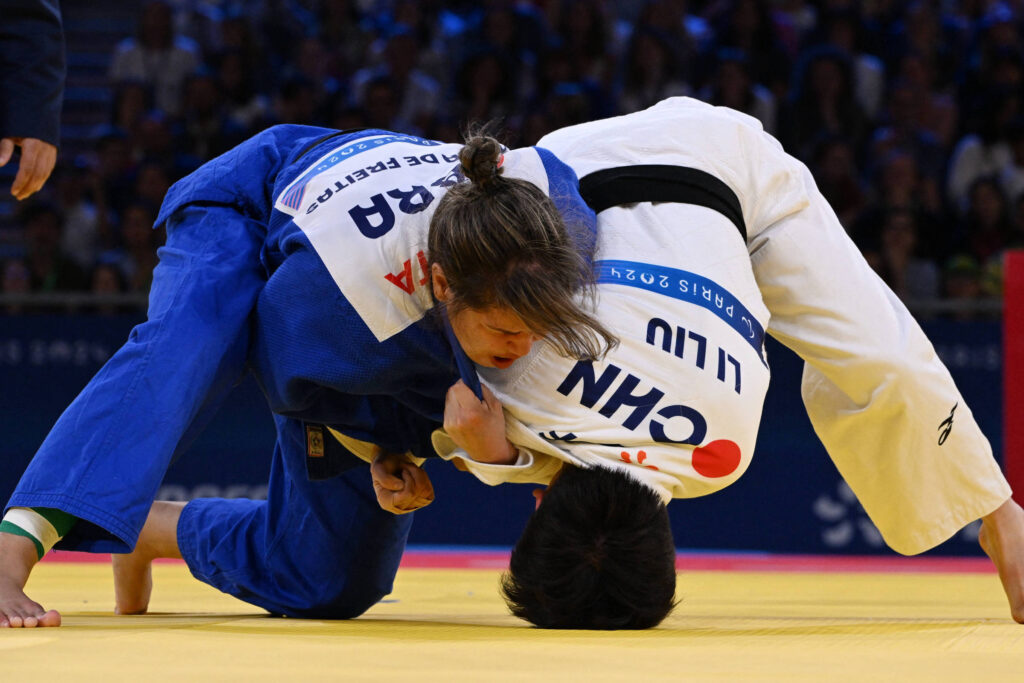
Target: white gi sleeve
x=530 y=467
x=878 y=396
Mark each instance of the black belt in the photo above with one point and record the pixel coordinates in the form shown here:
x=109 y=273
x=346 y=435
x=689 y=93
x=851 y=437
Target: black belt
x=661 y=183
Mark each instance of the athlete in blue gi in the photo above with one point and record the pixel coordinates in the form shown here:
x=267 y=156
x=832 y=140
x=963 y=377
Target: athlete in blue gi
x=313 y=259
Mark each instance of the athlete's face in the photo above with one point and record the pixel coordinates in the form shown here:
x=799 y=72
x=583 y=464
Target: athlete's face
x=491 y=337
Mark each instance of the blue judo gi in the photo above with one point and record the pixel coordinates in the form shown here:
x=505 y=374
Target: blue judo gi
x=261 y=272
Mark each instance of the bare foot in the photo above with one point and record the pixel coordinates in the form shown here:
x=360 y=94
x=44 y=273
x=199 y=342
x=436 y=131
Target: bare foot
x=1002 y=538
x=17 y=610
x=133 y=573
x=133 y=582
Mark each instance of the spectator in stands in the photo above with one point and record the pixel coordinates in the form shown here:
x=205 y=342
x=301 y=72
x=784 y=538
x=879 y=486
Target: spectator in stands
x=897 y=183
x=937 y=110
x=650 y=72
x=156 y=141
x=985 y=229
x=984 y=151
x=107 y=278
x=156 y=56
x=50 y=270
x=921 y=30
x=112 y=174
x=140 y=240
x=418 y=94
x=749 y=26
x=16 y=280
x=834 y=164
x=585 y=34
x=380 y=103
x=341 y=25
x=486 y=87
x=516 y=30
x=667 y=18
x=296 y=102
x=952 y=79
x=244 y=104
x=822 y=102
x=151 y=182
x=903 y=129
x=1011 y=177
x=313 y=62
x=84 y=232
x=207 y=129
x=898 y=259
x=843 y=28
x=732 y=86
x=961 y=281
x=133 y=100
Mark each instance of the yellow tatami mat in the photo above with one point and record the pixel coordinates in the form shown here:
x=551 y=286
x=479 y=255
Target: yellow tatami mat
x=450 y=625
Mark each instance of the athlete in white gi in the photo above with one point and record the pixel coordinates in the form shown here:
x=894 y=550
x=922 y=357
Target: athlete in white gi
x=677 y=404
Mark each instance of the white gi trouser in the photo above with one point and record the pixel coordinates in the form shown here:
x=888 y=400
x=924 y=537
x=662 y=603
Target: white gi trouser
x=878 y=396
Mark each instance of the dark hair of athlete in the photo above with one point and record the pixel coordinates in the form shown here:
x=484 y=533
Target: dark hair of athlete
x=597 y=554
x=501 y=242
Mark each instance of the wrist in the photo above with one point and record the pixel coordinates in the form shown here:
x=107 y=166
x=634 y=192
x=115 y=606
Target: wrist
x=507 y=455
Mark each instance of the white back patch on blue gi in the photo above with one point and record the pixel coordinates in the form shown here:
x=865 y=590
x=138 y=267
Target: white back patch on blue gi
x=366 y=208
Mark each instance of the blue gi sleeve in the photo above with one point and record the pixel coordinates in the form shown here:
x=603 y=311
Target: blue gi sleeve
x=32 y=70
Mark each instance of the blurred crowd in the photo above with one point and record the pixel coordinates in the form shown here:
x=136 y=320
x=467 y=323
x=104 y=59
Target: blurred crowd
x=909 y=114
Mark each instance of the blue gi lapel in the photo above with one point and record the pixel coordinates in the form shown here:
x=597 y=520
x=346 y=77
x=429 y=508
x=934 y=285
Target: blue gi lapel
x=466 y=368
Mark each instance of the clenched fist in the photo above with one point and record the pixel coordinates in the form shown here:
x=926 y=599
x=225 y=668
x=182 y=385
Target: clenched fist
x=401 y=486
x=477 y=427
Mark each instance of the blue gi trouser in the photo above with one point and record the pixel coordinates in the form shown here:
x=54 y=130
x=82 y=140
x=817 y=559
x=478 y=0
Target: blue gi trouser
x=105 y=457
x=321 y=549
x=313 y=548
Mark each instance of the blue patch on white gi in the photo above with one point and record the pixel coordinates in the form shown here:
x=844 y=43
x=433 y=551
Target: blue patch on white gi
x=685 y=286
x=563 y=188
x=292 y=197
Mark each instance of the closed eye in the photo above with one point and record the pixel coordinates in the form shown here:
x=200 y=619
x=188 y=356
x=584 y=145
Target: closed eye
x=505 y=332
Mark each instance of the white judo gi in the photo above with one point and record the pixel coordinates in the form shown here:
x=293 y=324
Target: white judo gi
x=678 y=404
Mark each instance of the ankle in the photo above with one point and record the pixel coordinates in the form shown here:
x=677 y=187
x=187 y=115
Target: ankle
x=1007 y=513
x=17 y=557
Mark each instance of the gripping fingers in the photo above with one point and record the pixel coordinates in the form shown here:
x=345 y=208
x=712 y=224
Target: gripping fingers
x=383 y=475
x=420 y=484
x=37 y=161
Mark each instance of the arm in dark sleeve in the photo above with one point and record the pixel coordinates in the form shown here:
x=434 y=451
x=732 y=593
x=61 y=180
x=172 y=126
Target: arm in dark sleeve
x=32 y=70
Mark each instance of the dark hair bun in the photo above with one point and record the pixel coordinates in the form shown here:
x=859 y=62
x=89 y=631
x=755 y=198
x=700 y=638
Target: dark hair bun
x=479 y=158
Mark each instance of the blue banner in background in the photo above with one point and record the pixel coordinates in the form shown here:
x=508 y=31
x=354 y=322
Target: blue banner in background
x=790 y=500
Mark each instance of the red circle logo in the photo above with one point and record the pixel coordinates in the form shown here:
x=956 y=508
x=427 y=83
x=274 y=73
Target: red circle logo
x=717 y=459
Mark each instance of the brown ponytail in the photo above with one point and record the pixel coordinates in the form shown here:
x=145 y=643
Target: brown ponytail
x=480 y=158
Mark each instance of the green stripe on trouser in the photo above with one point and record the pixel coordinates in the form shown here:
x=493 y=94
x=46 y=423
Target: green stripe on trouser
x=10 y=528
